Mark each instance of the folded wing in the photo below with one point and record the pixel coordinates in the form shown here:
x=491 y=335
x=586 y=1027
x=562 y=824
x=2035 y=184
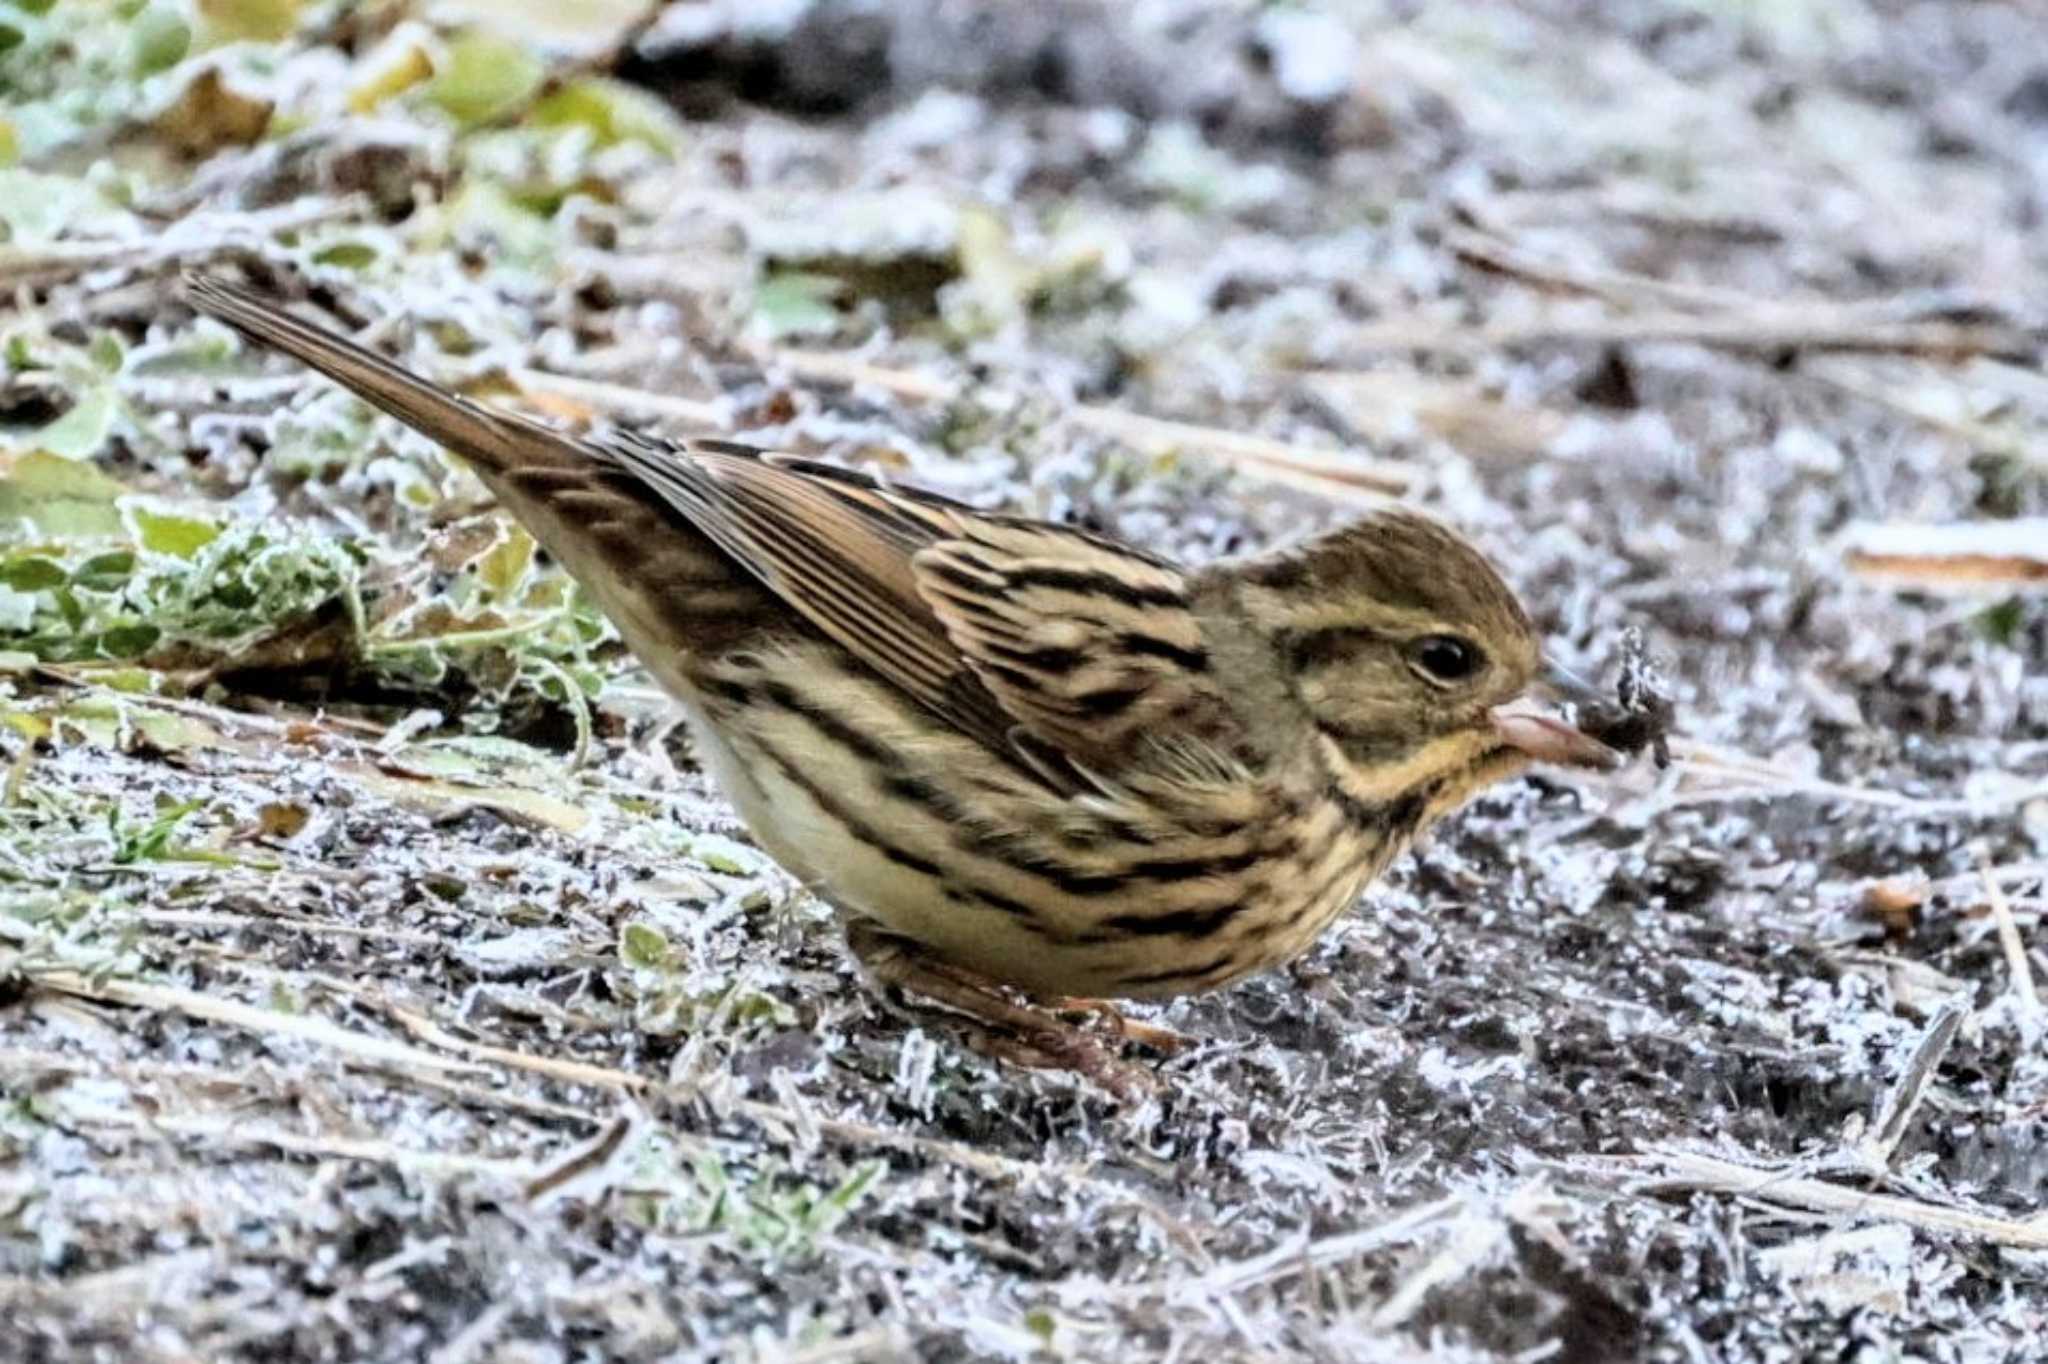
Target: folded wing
x=1065 y=649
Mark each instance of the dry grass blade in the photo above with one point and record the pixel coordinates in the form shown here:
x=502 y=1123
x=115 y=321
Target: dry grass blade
x=1905 y=1096
x=1353 y=479
x=1296 y=1255
x=581 y=1160
x=1364 y=481
x=1972 y=556
x=305 y=1027
x=193 y=238
x=1330 y=473
x=1716 y=773
x=236 y=1130
x=613 y=400
x=2008 y=935
x=770 y=1115
x=1679 y=1171
x=1768 y=333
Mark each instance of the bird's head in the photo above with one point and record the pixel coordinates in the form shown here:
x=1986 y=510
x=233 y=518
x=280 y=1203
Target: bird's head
x=1420 y=671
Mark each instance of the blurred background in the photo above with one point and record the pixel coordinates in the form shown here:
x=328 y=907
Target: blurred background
x=379 y=978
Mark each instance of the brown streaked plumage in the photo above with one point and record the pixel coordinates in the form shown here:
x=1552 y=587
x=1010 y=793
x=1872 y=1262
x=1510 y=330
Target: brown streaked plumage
x=1013 y=752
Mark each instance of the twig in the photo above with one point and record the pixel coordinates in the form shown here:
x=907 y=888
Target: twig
x=110 y=1294
x=1346 y=477
x=580 y=1160
x=221 y=920
x=1619 y=286
x=21 y=1061
x=320 y=1031
x=1274 y=460
x=1896 y=394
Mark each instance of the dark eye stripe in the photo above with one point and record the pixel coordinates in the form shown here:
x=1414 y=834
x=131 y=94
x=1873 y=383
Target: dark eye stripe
x=1309 y=649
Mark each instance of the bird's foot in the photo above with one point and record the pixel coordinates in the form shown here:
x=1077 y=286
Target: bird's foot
x=984 y=1016
x=1111 y=1019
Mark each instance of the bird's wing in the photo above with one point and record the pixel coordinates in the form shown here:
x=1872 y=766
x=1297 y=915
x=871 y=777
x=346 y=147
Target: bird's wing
x=1094 y=647
x=1065 y=649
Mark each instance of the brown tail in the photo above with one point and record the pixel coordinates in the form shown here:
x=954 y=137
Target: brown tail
x=496 y=443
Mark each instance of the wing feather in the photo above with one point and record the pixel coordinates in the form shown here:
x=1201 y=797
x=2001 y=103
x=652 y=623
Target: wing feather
x=1027 y=636
x=1096 y=652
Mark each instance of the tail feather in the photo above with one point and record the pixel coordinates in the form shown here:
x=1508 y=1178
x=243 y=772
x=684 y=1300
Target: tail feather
x=675 y=596
x=495 y=442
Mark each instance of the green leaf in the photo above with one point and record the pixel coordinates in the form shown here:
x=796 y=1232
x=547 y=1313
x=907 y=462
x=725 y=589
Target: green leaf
x=521 y=237
x=645 y=948
x=155 y=841
x=10 y=37
x=2002 y=623
x=59 y=497
x=129 y=641
x=484 y=77
x=32 y=573
x=790 y=302
x=255 y=21
x=158 y=40
x=347 y=255
x=724 y=855
x=80 y=433
x=503 y=568
x=161 y=533
x=614 y=112
x=108 y=353
x=105 y=572
x=38 y=207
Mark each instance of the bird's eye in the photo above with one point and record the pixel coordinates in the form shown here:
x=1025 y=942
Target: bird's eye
x=1444 y=658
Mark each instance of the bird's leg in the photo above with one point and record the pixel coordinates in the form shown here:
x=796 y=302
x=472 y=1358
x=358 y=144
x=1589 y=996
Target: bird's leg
x=978 y=1011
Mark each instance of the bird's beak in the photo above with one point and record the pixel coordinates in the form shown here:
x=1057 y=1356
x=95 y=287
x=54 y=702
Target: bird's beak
x=1540 y=722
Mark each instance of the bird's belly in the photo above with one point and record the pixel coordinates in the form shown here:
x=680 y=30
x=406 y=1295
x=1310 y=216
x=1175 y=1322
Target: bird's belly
x=925 y=832
x=861 y=861
x=769 y=816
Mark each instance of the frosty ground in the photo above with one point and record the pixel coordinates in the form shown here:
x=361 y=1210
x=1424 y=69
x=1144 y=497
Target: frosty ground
x=380 y=980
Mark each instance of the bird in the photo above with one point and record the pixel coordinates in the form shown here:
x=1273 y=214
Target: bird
x=1034 y=769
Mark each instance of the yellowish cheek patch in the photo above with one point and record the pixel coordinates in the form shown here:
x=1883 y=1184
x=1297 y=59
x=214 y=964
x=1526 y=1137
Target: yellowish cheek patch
x=1445 y=759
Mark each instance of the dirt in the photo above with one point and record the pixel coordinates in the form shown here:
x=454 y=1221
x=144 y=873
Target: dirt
x=399 y=990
